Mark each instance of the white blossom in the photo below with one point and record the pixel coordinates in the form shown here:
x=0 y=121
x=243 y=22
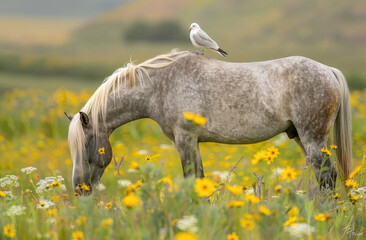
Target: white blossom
x=222 y=175
x=9 y=195
x=165 y=146
x=9 y=181
x=100 y=187
x=15 y=210
x=143 y=152
x=45 y=204
x=299 y=230
x=44 y=183
x=124 y=183
x=188 y=223
x=359 y=191
x=250 y=191
x=276 y=172
x=28 y=170
x=300 y=192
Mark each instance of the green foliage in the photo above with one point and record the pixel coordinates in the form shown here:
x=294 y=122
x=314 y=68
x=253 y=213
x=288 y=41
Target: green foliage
x=165 y=31
x=38 y=138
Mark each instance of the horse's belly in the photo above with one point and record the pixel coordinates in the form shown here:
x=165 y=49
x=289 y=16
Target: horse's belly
x=244 y=132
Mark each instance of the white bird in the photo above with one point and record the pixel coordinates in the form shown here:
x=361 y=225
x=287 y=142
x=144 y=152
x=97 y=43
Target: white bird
x=201 y=40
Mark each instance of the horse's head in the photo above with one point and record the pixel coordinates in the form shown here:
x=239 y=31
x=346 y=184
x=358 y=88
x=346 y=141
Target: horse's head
x=90 y=150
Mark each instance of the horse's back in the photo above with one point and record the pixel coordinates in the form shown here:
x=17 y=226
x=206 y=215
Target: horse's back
x=247 y=102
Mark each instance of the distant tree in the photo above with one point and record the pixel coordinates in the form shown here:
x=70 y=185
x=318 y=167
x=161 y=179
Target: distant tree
x=165 y=31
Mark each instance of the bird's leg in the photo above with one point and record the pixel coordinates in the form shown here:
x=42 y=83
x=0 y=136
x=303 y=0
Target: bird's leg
x=202 y=51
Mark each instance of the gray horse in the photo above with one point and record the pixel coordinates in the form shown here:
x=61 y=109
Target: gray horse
x=243 y=103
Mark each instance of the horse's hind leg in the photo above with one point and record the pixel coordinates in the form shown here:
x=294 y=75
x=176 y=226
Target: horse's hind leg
x=293 y=134
x=325 y=171
x=188 y=148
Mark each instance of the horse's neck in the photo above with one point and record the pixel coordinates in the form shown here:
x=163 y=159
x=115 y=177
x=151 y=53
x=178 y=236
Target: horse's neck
x=128 y=105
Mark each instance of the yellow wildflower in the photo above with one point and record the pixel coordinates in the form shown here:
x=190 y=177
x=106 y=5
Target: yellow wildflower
x=235 y=204
x=251 y=198
x=351 y=183
x=2 y=194
x=340 y=202
x=137 y=184
x=196 y=118
x=259 y=156
x=148 y=158
x=235 y=189
x=200 y=120
x=293 y=212
x=204 y=187
x=185 y=236
x=264 y=210
x=81 y=220
x=52 y=212
x=290 y=222
x=134 y=165
x=287 y=190
x=130 y=200
x=55 y=198
x=247 y=224
x=56 y=184
x=336 y=196
x=277 y=189
x=174 y=221
x=168 y=180
x=273 y=152
x=189 y=116
x=77 y=235
x=288 y=174
x=356 y=171
x=85 y=187
x=232 y=236
x=354 y=199
x=332 y=146
x=107 y=222
x=108 y=205
x=321 y=217
x=326 y=151
x=269 y=159
x=9 y=231
x=101 y=151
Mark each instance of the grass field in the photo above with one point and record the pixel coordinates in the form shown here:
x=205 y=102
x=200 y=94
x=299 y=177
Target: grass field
x=10 y=81
x=49 y=66
x=40 y=203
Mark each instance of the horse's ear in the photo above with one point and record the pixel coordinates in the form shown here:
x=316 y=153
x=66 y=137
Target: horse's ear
x=68 y=116
x=84 y=119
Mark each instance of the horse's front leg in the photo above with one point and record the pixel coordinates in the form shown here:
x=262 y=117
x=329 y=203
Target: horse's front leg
x=188 y=148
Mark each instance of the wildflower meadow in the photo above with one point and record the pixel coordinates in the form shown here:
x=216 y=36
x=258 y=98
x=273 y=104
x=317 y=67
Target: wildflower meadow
x=258 y=191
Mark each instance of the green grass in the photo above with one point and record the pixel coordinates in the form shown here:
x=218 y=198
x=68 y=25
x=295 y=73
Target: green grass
x=9 y=81
x=33 y=132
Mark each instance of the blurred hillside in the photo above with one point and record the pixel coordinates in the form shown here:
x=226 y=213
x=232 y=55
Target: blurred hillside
x=79 y=9
x=330 y=31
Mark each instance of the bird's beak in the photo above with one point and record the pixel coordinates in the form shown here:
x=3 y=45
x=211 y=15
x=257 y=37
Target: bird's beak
x=189 y=28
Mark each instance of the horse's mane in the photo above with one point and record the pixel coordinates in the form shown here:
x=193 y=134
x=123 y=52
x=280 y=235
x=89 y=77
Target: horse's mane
x=96 y=106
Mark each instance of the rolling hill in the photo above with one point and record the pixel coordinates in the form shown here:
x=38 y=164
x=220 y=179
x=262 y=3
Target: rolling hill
x=329 y=31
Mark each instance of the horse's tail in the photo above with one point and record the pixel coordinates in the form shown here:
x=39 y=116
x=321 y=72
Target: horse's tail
x=343 y=129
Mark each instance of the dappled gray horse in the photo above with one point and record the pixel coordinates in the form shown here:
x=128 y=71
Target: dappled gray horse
x=243 y=103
